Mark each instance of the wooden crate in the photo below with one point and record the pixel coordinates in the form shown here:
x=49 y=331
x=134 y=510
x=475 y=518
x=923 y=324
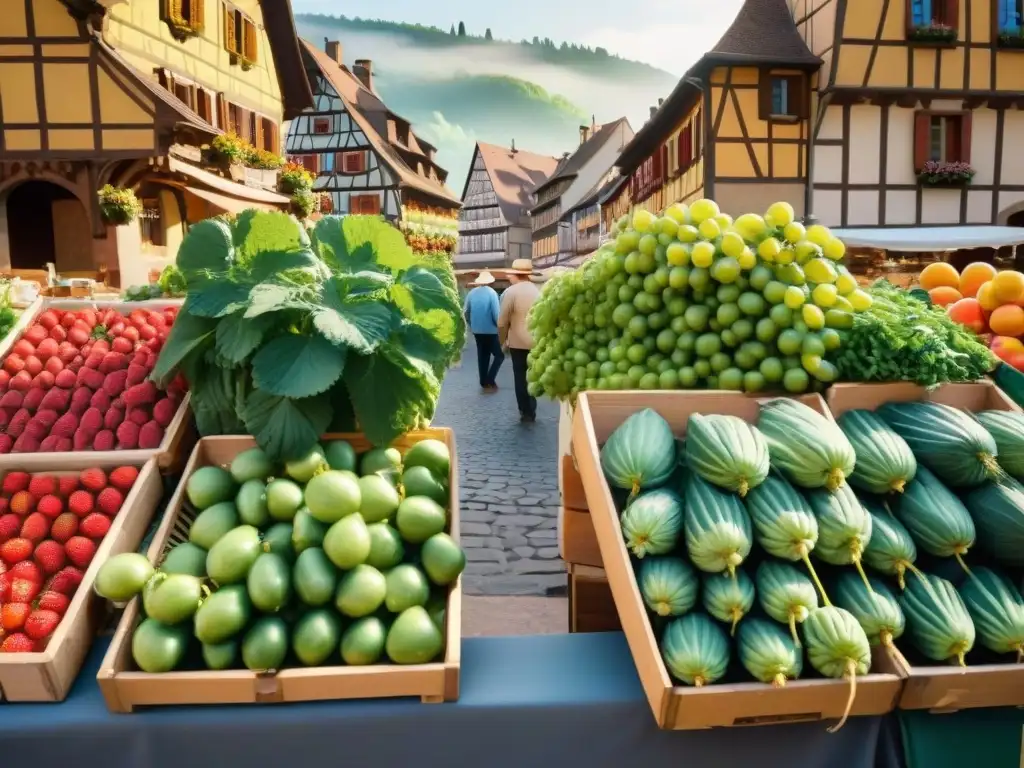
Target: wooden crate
x=166 y=454
x=577 y=541
x=49 y=674
x=681 y=707
x=591 y=607
x=124 y=687
x=571 y=484
x=942 y=688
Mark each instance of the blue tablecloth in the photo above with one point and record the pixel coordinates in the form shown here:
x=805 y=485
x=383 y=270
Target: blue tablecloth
x=526 y=702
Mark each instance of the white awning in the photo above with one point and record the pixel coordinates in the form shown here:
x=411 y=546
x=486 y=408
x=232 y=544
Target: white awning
x=927 y=239
x=226 y=186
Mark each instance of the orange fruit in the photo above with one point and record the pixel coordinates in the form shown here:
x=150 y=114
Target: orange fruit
x=1007 y=320
x=944 y=295
x=1010 y=343
x=974 y=276
x=968 y=313
x=1008 y=286
x=987 y=297
x=939 y=275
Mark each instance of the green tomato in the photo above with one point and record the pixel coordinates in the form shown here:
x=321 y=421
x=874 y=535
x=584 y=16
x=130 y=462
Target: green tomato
x=697 y=317
x=772 y=370
x=752 y=304
x=666 y=341
x=668 y=379
x=790 y=342
x=766 y=330
x=622 y=314
x=727 y=314
x=637 y=326
x=781 y=315
x=687 y=340
x=649 y=381
x=719 y=362
x=707 y=345
x=753 y=381
x=636 y=354
x=731 y=378
x=796 y=380
x=743 y=328
x=702 y=368
x=728 y=337
x=680 y=357
x=678 y=324
x=687 y=377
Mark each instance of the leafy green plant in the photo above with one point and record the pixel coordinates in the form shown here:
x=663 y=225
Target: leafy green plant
x=293 y=178
x=286 y=335
x=118 y=205
x=303 y=203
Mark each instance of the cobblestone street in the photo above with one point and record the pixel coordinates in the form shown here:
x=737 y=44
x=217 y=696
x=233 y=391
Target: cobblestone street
x=508 y=480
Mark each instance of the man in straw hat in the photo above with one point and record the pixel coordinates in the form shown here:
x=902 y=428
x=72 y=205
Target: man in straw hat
x=481 y=312
x=515 y=306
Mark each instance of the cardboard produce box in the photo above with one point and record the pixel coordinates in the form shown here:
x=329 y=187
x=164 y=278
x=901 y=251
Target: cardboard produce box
x=680 y=707
x=979 y=396
x=125 y=687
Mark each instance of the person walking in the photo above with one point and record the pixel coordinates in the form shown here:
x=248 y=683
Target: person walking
x=481 y=312
x=515 y=306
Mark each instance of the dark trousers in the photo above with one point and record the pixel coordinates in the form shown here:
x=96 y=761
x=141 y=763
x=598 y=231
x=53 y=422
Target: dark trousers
x=489 y=357
x=527 y=403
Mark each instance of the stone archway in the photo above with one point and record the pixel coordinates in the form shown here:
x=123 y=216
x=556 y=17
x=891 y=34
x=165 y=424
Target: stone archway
x=43 y=221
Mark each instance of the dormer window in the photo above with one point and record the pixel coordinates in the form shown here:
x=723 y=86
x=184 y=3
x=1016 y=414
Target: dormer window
x=782 y=97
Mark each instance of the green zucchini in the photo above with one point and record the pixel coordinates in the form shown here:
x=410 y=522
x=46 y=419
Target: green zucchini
x=640 y=453
x=891 y=549
x=1007 y=429
x=938 y=623
x=877 y=610
x=651 y=523
x=726 y=451
x=998 y=512
x=785 y=594
x=695 y=650
x=768 y=653
x=997 y=610
x=837 y=647
x=669 y=585
x=716 y=526
x=937 y=520
x=807 y=447
x=885 y=462
x=844 y=527
x=728 y=598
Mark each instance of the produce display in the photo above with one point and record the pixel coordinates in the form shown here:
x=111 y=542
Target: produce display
x=50 y=528
x=170 y=285
x=8 y=315
x=693 y=298
x=301 y=564
x=78 y=380
x=906 y=514
x=286 y=335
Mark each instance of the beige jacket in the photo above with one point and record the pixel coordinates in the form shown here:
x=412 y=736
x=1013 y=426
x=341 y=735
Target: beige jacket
x=515 y=306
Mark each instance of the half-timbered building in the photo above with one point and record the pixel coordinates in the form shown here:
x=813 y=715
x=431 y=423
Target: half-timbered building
x=129 y=93
x=494 y=223
x=365 y=158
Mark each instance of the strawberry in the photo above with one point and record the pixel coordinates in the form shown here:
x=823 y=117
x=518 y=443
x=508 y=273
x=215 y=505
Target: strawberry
x=54 y=601
x=136 y=374
x=6 y=442
x=66 y=581
x=48 y=320
x=151 y=435
x=5 y=587
x=17 y=643
x=109 y=501
x=12 y=399
x=89 y=377
x=15 y=550
x=128 y=435
x=33 y=399
x=47 y=416
x=22 y=381
x=100 y=400
x=141 y=394
x=80 y=551
x=112 y=419
x=15 y=481
x=65 y=379
x=43 y=380
x=66 y=485
x=24 y=590
x=51 y=506
x=13 y=615
x=26 y=569
x=113 y=361
x=93 y=479
x=95 y=526
x=121 y=345
x=56 y=399
x=9 y=527
x=49 y=444
x=113 y=384
x=80 y=400
x=164 y=410
x=50 y=556
x=138 y=415
x=104 y=440
x=36 y=428
x=123 y=478
x=41 y=485
x=22 y=503
x=40 y=624
x=80 y=503
x=92 y=421
x=35 y=528
x=65 y=426
x=64 y=527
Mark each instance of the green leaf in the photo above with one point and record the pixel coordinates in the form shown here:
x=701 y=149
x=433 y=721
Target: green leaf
x=257 y=232
x=419 y=343
x=297 y=366
x=361 y=325
x=269 y=264
x=206 y=252
x=188 y=334
x=284 y=428
x=357 y=243
x=218 y=299
x=426 y=289
x=360 y=284
x=213 y=402
x=237 y=338
x=271 y=297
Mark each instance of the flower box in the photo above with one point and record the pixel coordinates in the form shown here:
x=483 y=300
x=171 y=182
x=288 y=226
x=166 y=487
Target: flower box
x=933 y=33
x=938 y=174
x=1013 y=40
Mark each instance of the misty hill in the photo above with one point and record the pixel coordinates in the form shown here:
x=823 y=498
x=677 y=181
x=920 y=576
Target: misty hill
x=457 y=89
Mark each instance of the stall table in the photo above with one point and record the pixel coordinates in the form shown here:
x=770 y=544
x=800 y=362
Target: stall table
x=526 y=701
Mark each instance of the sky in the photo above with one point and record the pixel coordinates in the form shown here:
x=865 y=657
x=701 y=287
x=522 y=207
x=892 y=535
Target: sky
x=669 y=34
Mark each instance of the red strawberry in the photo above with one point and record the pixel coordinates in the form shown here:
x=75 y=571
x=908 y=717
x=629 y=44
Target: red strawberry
x=80 y=400
x=128 y=435
x=50 y=556
x=54 y=601
x=24 y=348
x=141 y=394
x=65 y=379
x=66 y=581
x=5 y=587
x=112 y=418
x=24 y=590
x=67 y=484
x=26 y=569
x=49 y=444
x=121 y=345
x=93 y=479
x=6 y=442
x=113 y=361
x=123 y=478
x=80 y=551
x=43 y=380
x=56 y=399
x=12 y=399
x=47 y=416
x=22 y=381
x=40 y=485
x=15 y=550
x=17 y=643
x=40 y=624
x=82 y=441
x=15 y=481
x=35 y=528
x=100 y=400
x=13 y=615
x=92 y=420
x=164 y=410
x=104 y=440
x=88 y=376
x=51 y=506
x=22 y=503
x=36 y=429
x=113 y=384
x=151 y=435
x=10 y=524
x=64 y=527
x=138 y=416
x=95 y=526
x=81 y=503
x=17 y=423
x=26 y=444
x=109 y=501
x=65 y=426
x=64 y=445
x=136 y=373
x=33 y=399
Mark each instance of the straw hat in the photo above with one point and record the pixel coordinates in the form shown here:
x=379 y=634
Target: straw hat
x=484 y=278
x=522 y=267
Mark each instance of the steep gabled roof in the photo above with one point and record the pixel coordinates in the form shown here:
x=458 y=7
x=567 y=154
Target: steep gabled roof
x=296 y=94
x=513 y=174
x=583 y=154
x=762 y=34
x=372 y=115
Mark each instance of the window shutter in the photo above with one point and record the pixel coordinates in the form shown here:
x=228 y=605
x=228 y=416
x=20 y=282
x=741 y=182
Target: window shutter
x=222 y=112
x=251 y=48
x=909 y=6
x=965 y=137
x=922 y=126
x=229 y=29
x=764 y=95
x=197 y=14
x=275 y=137
x=257 y=132
x=951 y=13
x=800 y=94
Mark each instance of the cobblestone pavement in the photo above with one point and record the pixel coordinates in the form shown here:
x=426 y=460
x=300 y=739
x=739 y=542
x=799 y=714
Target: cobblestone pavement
x=508 y=481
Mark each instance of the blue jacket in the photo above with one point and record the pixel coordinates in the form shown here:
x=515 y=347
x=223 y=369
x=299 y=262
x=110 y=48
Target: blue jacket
x=482 y=309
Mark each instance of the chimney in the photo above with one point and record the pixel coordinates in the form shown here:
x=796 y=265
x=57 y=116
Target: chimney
x=660 y=102
x=333 y=49
x=654 y=111
x=363 y=70
x=584 y=134
x=514 y=150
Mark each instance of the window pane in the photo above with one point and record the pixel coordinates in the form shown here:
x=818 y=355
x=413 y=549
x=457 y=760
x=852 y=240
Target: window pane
x=922 y=12
x=936 y=139
x=780 y=96
x=327 y=161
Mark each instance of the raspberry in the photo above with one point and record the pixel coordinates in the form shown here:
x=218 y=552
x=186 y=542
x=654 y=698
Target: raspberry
x=35 y=528
x=80 y=503
x=95 y=526
x=123 y=478
x=22 y=503
x=51 y=506
x=50 y=556
x=109 y=501
x=93 y=479
x=80 y=551
x=66 y=581
x=64 y=527
x=15 y=481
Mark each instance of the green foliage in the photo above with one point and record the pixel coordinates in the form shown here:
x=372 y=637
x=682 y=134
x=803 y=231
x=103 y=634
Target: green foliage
x=286 y=334
x=118 y=205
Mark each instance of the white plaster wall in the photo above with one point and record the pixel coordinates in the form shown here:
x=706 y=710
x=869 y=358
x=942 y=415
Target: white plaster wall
x=865 y=144
x=596 y=168
x=899 y=166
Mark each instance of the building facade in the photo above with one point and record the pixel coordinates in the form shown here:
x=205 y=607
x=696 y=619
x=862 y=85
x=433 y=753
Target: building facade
x=131 y=94
x=494 y=223
x=573 y=182
x=366 y=159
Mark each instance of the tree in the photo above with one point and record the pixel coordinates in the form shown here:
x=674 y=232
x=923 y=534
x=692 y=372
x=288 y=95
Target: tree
x=536 y=40
x=462 y=29
x=452 y=32
x=488 y=35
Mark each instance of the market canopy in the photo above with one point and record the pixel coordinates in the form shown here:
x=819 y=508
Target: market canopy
x=924 y=239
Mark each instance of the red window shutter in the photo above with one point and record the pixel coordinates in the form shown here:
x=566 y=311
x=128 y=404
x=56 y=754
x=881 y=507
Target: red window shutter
x=951 y=12
x=764 y=95
x=222 y=112
x=922 y=128
x=908 y=5
x=965 y=138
